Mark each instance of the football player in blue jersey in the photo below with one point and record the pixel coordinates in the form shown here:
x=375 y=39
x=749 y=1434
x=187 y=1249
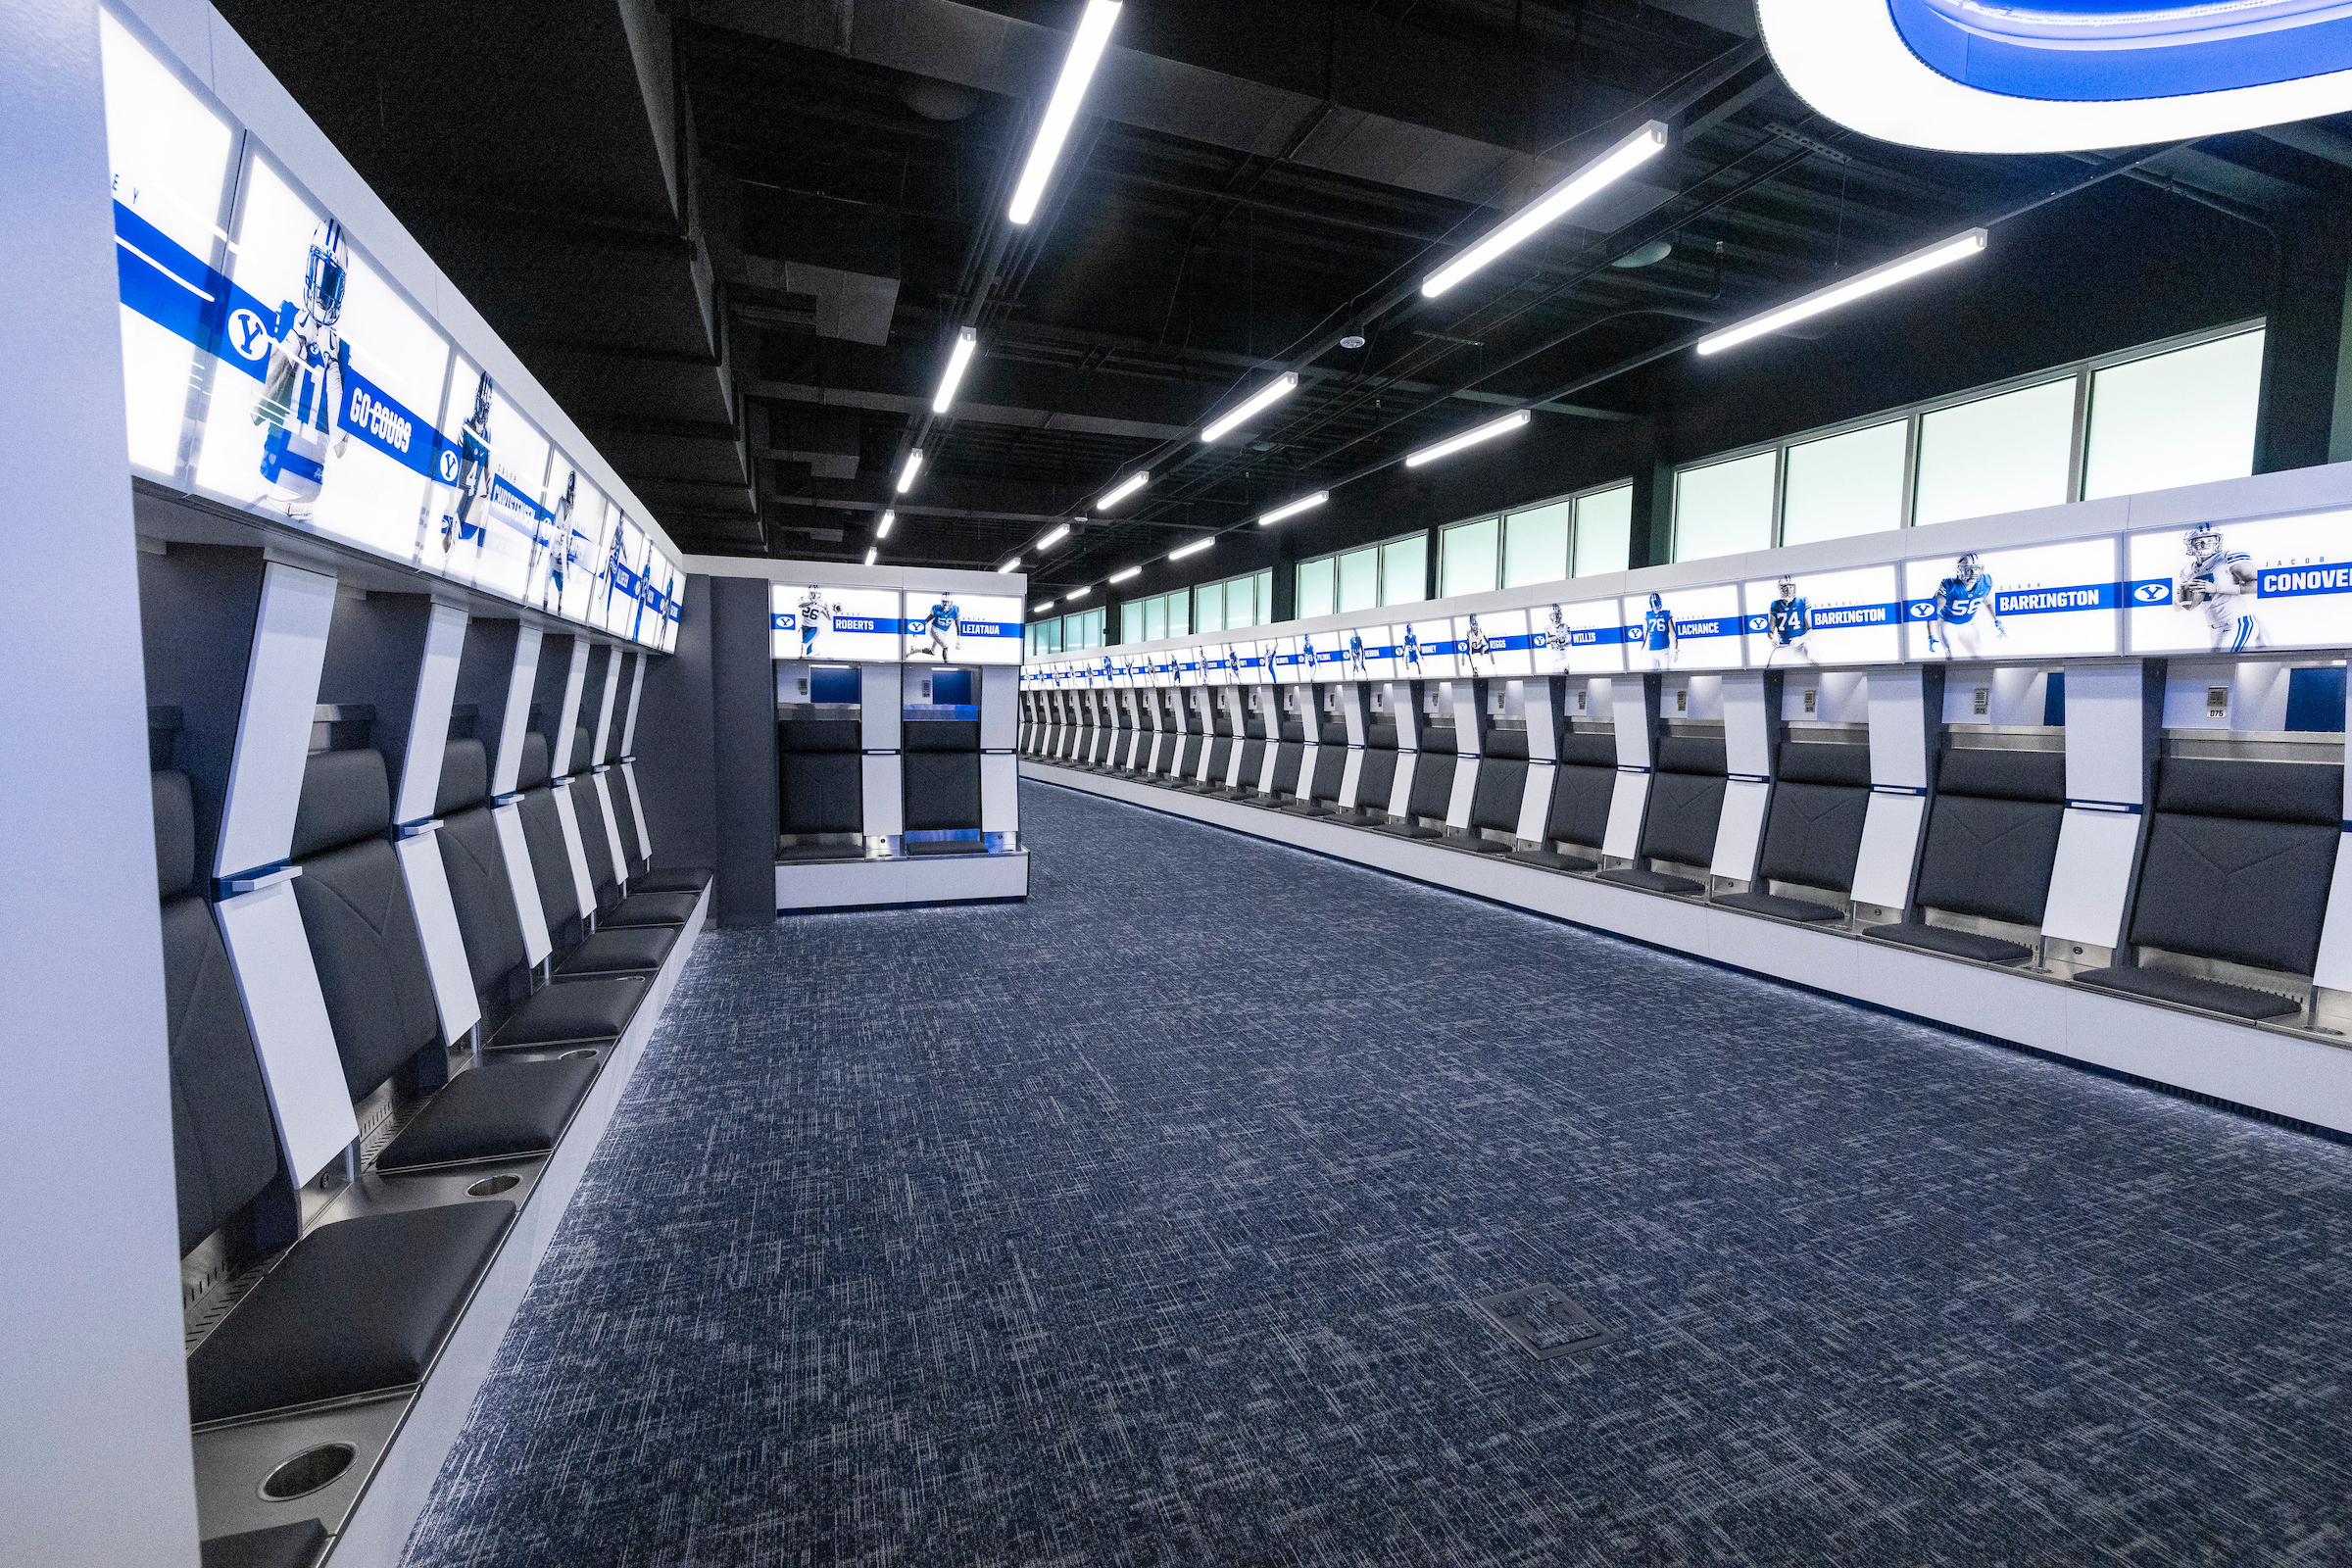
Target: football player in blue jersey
x=943 y=630
x=1965 y=605
x=1787 y=626
x=302 y=389
x=473 y=473
x=1659 y=639
x=2222 y=582
x=1355 y=655
x=1412 y=652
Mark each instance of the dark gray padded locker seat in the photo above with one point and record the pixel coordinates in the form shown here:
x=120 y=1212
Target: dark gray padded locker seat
x=355 y=1308
x=342 y=1307
x=616 y=908
x=1188 y=753
x=1290 y=754
x=1375 y=781
x=942 y=759
x=1221 y=754
x=1686 y=807
x=1122 y=742
x=2238 y=862
x=1253 y=757
x=1582 y=788
x=223 y=1141
x=1813 y=833
x=294 y=1545
x=1496 y=798
x=379 y=998
x=821 y=768
x=1433 y=785
x=1322 y=792
x=645 y=877
x=1991 y=841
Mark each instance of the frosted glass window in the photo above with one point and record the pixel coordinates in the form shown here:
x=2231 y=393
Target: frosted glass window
x=1315 y=588
x=1724 y=507
x=1208 y=607
x=1241 y=608
x=1265 y=596
x=1845 y=485
x=1404 y=571
x=1131 y=621
x=1360 y=578
x=1155 y=617
x=1179 y=613
x=2183 y=418
x=1535 y=545
x=2001 y=454
x=1604 y=532
x=1467 y=557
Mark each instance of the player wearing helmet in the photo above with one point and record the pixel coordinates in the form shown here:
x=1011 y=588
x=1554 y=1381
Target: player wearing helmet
x=1789 y=626
x=2220 y=582
x=302 y=388
x=1659 y=638
x=1965 y=605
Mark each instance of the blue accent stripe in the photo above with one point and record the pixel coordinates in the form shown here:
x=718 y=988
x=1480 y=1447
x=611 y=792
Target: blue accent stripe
x=2099 y=51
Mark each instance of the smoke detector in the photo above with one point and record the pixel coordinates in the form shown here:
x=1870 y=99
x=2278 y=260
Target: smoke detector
x=1353 y=340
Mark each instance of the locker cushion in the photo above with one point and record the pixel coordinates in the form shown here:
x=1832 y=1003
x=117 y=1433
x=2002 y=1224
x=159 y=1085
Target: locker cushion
x=574 y=1013
x=1656 y=881
x=1553 y=861
x=1953 y=944
x=628 y=949
x=345 y=796
x=1779 y=907
x=515 y=1108
x=352 y=1307
x=2213 y=996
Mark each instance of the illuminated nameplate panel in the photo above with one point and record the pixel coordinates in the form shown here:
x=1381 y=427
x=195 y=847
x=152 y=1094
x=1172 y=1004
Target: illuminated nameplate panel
x=2283 y=582
x=1826 y=617
x=1586 y=638
x=950 y=628
x=1252 y=662
x=1281 y=656
x=269 y=364
x=1686 y=628
x=851 y=625
x=1425 y=651
x=2056 y=75
x=2044 y=601
x=1495 y=642
x=1367 y=652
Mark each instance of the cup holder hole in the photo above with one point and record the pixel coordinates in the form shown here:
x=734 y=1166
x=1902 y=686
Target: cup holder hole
x=577 y=1055
x=308 y=1471
x=492 y=1186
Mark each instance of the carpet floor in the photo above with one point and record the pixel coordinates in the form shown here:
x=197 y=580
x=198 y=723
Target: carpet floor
x=1143 y=1223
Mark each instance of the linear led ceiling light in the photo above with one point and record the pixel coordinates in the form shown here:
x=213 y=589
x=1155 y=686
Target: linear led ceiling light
x=1192 y=548
x=1550 y=207
x=1122 y=490
x=1055 y=537
x=1076 y=594
x=1859 y=286
x=960 y=359
x=1122 y=576
x=1469 y=438
x=1014 y=565
x=870 y=553
x=1047 y=605
x=1294 y=508
x=909 y=470
x=1061 y=111
x=882 y=528
x=1264 y=398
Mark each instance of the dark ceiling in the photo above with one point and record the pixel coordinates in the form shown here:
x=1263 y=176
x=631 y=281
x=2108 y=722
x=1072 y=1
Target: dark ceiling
x=734 y=237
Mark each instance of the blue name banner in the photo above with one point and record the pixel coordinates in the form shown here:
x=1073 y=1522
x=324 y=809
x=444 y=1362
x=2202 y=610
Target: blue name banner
x=982 y=628
x=1841 y=617
x=1602 y=636
x=1720 y=626
x=2302 y=583
x=2036 y=601
x=866 y=623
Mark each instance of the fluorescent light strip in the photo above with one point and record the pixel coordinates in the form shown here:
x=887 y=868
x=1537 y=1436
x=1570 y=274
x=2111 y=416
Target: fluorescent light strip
x=909 y=470
x=1122 y=576
x=870 y=553
x=1122 y=490
x=1047 y=605
x=1547 y=209
x=1469 y=438
x=1014 y=565
x=960 y=359
x=1193 y=548
x=1061 y=111
x=1077 y=594
x=1264 y=398
x=1293 y=508
x=1861 y=285
x=1051 y=540
x=882 y=528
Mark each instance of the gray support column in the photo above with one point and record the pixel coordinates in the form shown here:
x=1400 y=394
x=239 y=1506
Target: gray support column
x=95 y=1446
x=674 y=743
x=743 y=752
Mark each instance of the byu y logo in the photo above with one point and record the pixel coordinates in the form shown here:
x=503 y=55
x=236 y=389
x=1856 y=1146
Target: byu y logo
x=248 y=334
x=2152 y=593
x=448 y=466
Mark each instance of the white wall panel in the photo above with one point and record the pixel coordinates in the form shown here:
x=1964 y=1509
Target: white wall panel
x=428 y=721
x=427 y=881
x=274 y=726
x=515 y=721
x=270 y=954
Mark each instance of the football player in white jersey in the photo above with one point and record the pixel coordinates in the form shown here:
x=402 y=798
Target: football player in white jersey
x=1476 y=643
x=302 y=389
x=2220 y=582
x=1555 y=638
x=813 y=611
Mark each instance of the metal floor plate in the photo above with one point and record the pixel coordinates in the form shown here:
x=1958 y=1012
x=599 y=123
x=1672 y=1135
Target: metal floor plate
x=1544 y=1322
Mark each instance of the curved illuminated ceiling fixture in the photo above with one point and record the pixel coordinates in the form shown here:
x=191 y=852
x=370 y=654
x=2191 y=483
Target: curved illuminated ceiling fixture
x=2056 y=75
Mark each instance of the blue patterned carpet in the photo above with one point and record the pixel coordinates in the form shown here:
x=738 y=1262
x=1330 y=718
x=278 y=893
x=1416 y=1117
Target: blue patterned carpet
x=1141 y=1224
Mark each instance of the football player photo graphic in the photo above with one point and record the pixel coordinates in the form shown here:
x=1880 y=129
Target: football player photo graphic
x=1412 y=652
x=1965 y=605
x=1789 y=626
x=813 y=611
x=2219 y=582
x=943 y=630
x=301 y=388
x=1659 y=639
x=1474 y=643
x=1555 y=636
x=1356 y=654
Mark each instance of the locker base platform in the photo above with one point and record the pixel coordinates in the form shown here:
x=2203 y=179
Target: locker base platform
x=933 y=879
x=2284 y=1072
